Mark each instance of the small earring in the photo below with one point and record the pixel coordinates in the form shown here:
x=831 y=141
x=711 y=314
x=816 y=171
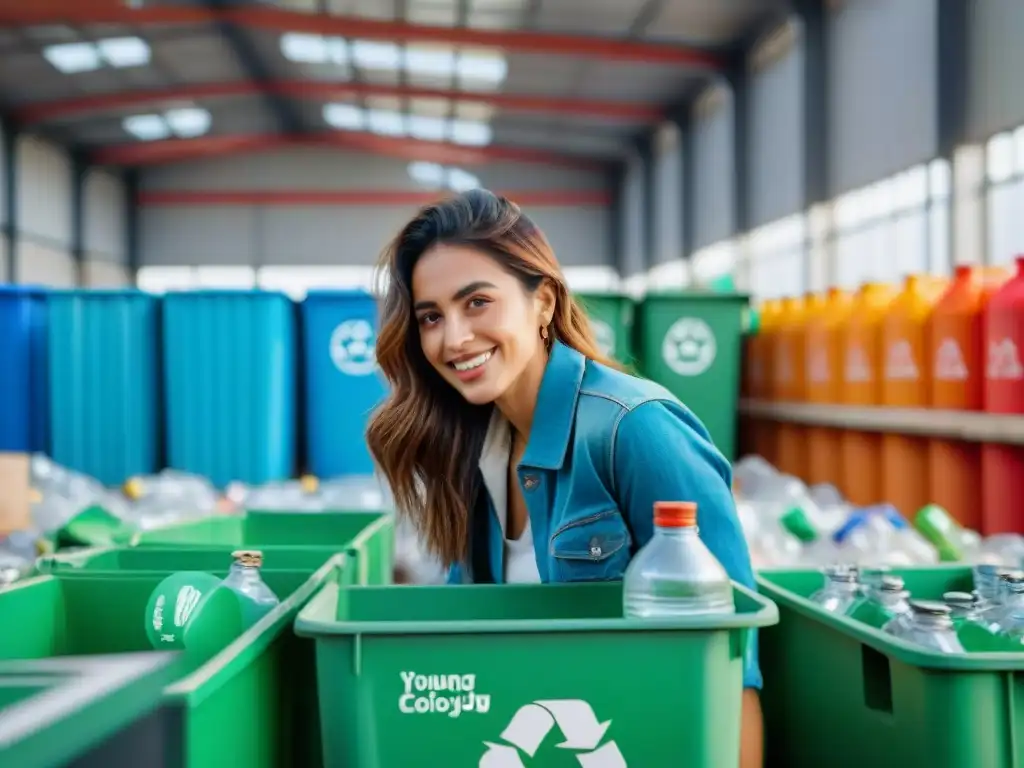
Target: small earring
x=544 y=332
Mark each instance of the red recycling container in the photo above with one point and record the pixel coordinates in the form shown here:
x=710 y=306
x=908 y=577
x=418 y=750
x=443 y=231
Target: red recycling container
x=1002 y=466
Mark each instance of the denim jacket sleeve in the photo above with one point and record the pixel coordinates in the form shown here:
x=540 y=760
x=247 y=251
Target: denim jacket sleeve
x=661 y=452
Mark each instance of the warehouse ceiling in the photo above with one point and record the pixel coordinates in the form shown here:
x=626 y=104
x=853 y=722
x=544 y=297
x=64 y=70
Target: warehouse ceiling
x=134 y=82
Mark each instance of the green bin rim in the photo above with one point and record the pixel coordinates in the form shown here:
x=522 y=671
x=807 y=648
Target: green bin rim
x=63 y=563
x=902 y=650
x=766 y=614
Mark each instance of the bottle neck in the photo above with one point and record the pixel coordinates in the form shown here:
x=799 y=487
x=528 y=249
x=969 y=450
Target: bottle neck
x=676 y=531
x=930 y=621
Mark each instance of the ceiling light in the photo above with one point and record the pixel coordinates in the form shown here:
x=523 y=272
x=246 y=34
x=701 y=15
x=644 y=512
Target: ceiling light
x=71 y=58
x=147 y=127
x=428 y=128
x=419 y=61
x=483 y=67
x=345 y=117
x=124 y=51
x=189 y=122
x=461 y=181
x=471 y=133
x=307 y=49
x=372 y=55
x=385 y=123
x=429 y=174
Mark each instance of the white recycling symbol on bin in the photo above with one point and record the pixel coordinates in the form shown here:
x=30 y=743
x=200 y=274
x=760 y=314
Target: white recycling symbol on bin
x=532 y=723
x=689 y=346
x=352 y=347
x=604 y=335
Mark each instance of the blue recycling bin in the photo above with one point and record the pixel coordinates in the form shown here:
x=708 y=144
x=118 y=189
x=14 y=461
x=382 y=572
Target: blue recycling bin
x=343 y=383
x=24 y=396
x=104 y=382
x=229 y=382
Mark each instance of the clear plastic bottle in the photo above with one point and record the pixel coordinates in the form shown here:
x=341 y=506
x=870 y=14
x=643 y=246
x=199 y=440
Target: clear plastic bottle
x=244 y=579
x=675 y=574
x=840 y=591
x=883 y=601
x=971 y=630
x=929 y=624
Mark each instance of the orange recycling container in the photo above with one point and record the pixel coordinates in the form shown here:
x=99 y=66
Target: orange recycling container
x=824 y=356
x=861 y=386
x=758 y=347
x=906 y=383
x=786 y=358
x=956 y=348
x=791 y=439
x=1002 y=466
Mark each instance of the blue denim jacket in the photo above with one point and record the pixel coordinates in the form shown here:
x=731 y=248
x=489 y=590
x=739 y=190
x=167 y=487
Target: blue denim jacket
x=603 y=448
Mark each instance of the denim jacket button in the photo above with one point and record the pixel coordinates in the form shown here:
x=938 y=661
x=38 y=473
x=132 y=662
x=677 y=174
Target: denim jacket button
x=530 y=482
x=595 y=551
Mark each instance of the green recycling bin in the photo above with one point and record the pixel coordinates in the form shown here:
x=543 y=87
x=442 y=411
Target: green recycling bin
x=843 y=694
x=515 y=675
x=251 y=702
x=83 y=711
x=135 y=560
x=691 y=343
x=611 y=317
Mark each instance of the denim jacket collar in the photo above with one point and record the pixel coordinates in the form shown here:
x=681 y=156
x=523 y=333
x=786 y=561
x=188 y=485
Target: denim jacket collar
x=555 y=411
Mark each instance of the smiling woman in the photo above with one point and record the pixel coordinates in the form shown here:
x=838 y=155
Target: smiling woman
x=518 y=451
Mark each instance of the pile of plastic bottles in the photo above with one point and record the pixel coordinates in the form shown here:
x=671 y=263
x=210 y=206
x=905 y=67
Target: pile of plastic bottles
x=989 y=619
x=788 y=524
x=66 y=503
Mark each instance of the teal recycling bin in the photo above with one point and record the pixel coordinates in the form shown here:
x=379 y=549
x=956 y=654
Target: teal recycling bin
x=342 y=380
x=229 y=374
x=104 y=385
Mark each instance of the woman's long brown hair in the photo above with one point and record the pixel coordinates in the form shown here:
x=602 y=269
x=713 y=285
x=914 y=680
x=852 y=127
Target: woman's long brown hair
x=425 y=437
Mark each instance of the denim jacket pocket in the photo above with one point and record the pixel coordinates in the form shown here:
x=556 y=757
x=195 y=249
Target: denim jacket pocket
x=593 y=548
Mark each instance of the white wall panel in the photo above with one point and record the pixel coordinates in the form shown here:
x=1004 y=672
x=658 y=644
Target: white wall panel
x=105 y=217
x=104 y=274
x=631 y=227
x=714 y=164
x=259 y=226
x=881 y=89
x=44 y=193
x=4 y=259
x=45 y=265
x=668 y=199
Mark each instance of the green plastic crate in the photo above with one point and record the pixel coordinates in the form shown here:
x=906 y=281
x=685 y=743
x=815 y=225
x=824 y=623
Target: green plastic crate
x=170 y=559
x=842 y=694
x=253 y=703
x=263 y=529
x=55 y=711
x=530 y=660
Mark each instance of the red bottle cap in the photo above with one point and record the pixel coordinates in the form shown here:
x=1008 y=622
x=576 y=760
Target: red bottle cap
x=675 y=514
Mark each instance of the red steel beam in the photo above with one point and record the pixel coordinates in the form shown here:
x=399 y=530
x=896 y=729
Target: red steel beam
x=350 y=197
x=83 y=12
x=45 y=111
x=179 y=150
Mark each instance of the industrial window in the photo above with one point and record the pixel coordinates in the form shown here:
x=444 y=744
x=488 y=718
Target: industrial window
x=1004 y=176
x=894 y=227
x=163 y=279
x=777 y=257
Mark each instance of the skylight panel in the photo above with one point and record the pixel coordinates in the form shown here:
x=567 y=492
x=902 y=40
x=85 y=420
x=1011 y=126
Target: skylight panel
x=428 y=174
x=189 y=122
x=386 y=123
x=345 y=117
x=147 y=127
x=462 y=181
x=72 y=58
x=303 y=48
x=370 y=54
x=122 y=52
x=428 y=128
x=471 y=133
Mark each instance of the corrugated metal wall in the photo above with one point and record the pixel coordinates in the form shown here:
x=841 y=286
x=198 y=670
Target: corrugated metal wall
x=881 y=89
x=105 y=232
x=995 y=96
x=713 y=167
x=44 y=214
x=668 y=191
x=245 y=231
x=776 y=135
x=634 y=239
